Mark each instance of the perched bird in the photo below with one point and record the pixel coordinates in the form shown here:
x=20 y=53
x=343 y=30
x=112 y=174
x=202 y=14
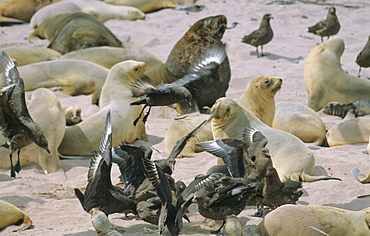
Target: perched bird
x=328 y=27
x=167 y=94
x=278 y=193
x=261 y=36
x=363 y=58
x=16 y=124
x=100 y=193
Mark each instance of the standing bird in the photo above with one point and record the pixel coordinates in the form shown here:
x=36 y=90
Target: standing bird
x=278 y=193
x=363 y=58
x=167 y=94
x=261 y=36
x=327 y=27
x=16 y=124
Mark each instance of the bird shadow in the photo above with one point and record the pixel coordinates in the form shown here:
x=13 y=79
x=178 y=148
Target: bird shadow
x=275 y=57
x=356 y=204
x=84 y=233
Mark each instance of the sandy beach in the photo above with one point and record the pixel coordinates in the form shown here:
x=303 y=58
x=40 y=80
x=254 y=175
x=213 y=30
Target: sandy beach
x=49 y=199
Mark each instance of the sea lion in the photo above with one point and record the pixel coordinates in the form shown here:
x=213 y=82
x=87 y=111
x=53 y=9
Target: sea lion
x=72 y=114
x=109 y=56
x=45 y=109
x=21 y=10
x=73 y=31
x=103 y=11
x=290 y=220
x=84 y=137
x=293 y=160
x=259 y=97
x=348 y=132
x=203 y=34
x=102 y=224
x=145 y=6
x=325 y=80
x=73 y=77
x=53 y=10
x=25 y=56
x=10 y=215
x=300 y=121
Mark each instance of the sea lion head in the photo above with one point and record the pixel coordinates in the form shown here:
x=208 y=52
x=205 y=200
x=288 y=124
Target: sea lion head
x=73 y=115
x=334 y=45
x=232 y=226
x=227 y=109
x=267 y=85
x=209 y=27
x=134 y=69
x=100 y=222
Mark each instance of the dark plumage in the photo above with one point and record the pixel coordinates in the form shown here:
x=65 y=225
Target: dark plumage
x=363 y=58
x=261 y=36
x=100 y=192
x=278 y=193
x=167 y=94
x=328 y=27
x=16 y=124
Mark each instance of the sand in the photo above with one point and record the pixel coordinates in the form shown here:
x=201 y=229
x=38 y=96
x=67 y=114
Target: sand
x=49 y=199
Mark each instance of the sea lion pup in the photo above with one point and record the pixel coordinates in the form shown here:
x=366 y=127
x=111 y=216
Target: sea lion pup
x=16 y=11
x=261 y=36
x=16 y=124
x=145 y=5
x=300 y=121
x=357 y=108
x=102 y=224
x=352 y=131
x=11 y=215
x=25 y=56
x=259 y=97
x=82 y=138
x=203 y=34
x=293 y=160
x=290 y=220
x=109 y=56
x=73 y=31
x=363 y=58
x=321 y=67
x=103 y=11
x=73 y=77
x=361 y=177
x=72 y=115
x=167 y=94
x=327 y=27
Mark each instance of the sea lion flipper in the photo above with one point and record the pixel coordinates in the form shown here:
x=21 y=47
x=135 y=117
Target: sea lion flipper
x=311 y=178
x=26 y=224
x=359 y=176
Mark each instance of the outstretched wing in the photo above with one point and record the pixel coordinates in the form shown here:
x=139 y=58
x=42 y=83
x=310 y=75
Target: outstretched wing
x=254 y=139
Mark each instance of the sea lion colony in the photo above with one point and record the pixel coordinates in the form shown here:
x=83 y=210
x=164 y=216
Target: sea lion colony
x=216 y=198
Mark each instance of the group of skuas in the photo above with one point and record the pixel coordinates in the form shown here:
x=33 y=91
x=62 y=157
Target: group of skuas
x=329 y=26
x=148 y=190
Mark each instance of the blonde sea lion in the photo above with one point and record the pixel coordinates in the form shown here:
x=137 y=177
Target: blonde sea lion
x=84 y=137
x=293 y=160
x=289 y=220
x=109 y=56
x=73 y=31
x=73 y=77
x=25 y=56
x=300 y=121
x=259 y=97
x=20 y=10
x=203 y=34
x=12 y=215
x=349 y=132
x=325 y=80
x=103 y=11
x=145 y=6
x=45 y=109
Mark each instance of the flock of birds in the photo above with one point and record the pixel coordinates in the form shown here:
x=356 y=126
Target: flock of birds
x=148 y=190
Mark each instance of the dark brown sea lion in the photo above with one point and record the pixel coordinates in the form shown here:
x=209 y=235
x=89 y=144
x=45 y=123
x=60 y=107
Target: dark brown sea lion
x=202 y=35
x=72 y=31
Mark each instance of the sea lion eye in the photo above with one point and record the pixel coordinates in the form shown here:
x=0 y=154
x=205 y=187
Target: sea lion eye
x=136 y=69
x=267 y=81
x=253 y=158
x=228 y=109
